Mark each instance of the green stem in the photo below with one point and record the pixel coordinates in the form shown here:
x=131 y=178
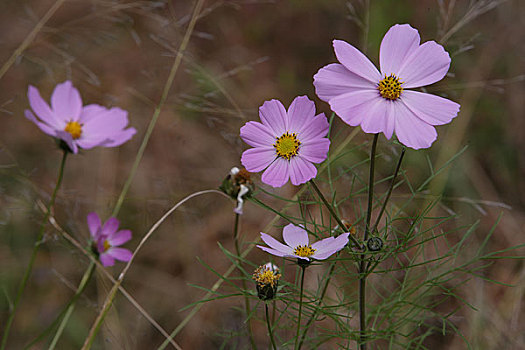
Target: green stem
x=243 y=281
x=374 y=228
x=300 y=308
x=71 y=306
x=29 y=268
x=269 y=327
x=332 y=211
x=362 y=274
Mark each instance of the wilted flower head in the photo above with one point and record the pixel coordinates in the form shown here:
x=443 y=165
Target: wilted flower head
x=286 y=143
x=267 y=277
x=76 y=125
x=380 y=101
x=298 y=246
x=107 y=238
x=238 y=185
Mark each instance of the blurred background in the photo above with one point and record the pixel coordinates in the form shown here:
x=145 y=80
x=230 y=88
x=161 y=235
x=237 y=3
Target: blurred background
x=241 y=53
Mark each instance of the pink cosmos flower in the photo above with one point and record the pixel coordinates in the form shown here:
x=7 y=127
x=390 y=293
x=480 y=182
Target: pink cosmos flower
x=379 y=101
x=107 y=238
x=78 y=126
x=298 y=246
x=286 y=143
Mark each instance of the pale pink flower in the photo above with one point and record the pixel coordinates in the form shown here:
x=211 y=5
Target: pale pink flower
x=77 y=125
x=298 y=245
x=286 y=143
x=107 y=238
x=379 y=101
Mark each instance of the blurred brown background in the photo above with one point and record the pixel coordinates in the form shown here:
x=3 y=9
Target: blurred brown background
x=119 y=53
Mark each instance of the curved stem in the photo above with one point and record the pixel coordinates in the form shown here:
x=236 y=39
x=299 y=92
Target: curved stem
x=269 y=327
x=300 y=309
x=362 y=272
x=38 y=242
x=243 y=281
x=332 y=211
x=81 y=287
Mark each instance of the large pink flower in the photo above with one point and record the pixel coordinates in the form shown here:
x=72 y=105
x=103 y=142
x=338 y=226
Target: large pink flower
x=286 y=143
x=78 y=126
x=380 y=101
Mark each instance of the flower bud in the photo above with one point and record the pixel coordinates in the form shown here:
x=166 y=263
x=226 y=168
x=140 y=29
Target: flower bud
x=266 y=278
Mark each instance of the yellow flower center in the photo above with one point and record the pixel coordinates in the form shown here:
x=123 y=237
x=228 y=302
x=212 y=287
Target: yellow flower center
x=74 y=128
x=304 y=251
x=265 y=276
x=106 y=245
x=287 y=145
x=390 y=87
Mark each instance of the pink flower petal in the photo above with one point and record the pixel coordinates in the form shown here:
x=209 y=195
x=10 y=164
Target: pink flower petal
x=121 y=137
x=315 y=151
x=103 y=122
x=119 y=237
x=331 y=247
x=277 y=174
x=275 y=244
x=121 y=254
x=432 y=109
x=274 y=116
x=94 y=225
x=91 y=112
x=412 y=131
x=273 y=251
x=316 y=128
x=355 y=61
x=42 y=110
x=66 y=102
x=110 y=227
x=353 y=107
x=42 y=126
x=300 y=112
x=398 y=43
x=334 y=80
x=379 y=118
x=257 y=135
x=257 y=159
x=426 y=65
x=301 y=170
x=295 y=236
x=320 y=245
x=106 y=259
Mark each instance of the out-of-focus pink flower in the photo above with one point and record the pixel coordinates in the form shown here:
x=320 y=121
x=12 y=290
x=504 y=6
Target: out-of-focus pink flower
x=107 y=238
x=77 y=125
x=379 y=101
x=286 y=143
x=298 y=246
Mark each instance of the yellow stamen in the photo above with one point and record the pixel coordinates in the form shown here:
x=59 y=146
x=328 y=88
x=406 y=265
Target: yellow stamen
x=106 y=245
x=304 y=251
x=287 y=145
x=265 y=276
x=74 y=128
x=390 y=87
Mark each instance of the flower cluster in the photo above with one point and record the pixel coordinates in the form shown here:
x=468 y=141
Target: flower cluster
x=76 y=125
x=106 y=239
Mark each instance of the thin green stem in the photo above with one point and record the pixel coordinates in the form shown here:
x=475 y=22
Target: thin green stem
x=381 y=212
x=38 y=242
x=362 y=267
x=332 y=211
x=300 y=308
x=81 y=287
x=243 y=281
x=269 y=327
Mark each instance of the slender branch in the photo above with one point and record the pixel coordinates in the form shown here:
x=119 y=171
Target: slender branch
x=243 y=281
x=303 y=267
x=334 y=214
x=36 y=247
x=362 y=274
x=378 y=220
x=81 y=287
x=269 y=327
